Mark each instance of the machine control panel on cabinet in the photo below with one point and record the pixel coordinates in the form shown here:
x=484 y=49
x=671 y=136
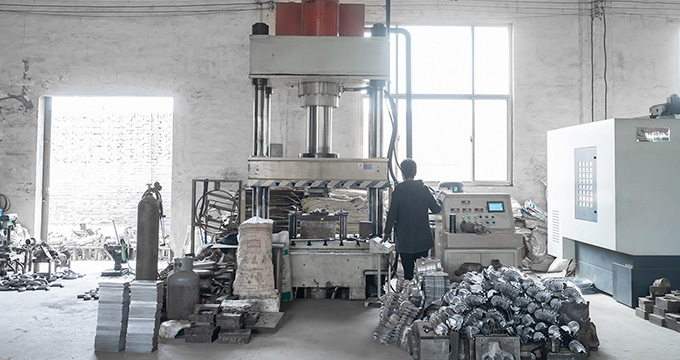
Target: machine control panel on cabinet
x=491 y=210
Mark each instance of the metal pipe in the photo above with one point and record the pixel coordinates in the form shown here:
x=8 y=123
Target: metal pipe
x=261 y=139
x=375 y=149
x=325 y=128
x=312 y=143
x=260 y=202
x=409 y=92
x=343 y=224
x=388 y=15
x=379 y=282
x=375 y=124
x=259 y=117
x=267 y=121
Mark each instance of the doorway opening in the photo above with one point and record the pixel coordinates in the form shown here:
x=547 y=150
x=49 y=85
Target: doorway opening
x=100 y=154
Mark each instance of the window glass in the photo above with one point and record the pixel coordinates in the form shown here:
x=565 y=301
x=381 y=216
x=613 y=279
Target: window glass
x=442 y=132
x=460 y=121
x=491 y=140
x=441 y=59
x=492 y=60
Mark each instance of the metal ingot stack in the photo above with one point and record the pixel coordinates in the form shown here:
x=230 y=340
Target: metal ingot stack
x=232 y=328
x=112 y=316
x=145 y=316
x=662 y=306
x=203 y=328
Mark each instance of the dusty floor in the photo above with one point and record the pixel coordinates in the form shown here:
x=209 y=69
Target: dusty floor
x=56 y=325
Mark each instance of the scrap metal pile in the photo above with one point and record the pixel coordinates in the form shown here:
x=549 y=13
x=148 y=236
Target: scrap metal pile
x=24 y=282
x=549 y=314
x=216 y=270
x=507 y=301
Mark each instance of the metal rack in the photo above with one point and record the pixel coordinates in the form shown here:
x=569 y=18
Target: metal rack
x=218 y=197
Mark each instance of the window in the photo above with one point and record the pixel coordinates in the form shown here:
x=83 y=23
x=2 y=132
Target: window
x=462 y=104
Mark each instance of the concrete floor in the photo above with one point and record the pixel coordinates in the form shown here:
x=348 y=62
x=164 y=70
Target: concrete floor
x=55 y=324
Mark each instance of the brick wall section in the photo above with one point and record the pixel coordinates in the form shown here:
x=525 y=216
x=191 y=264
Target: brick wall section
x=101 y=163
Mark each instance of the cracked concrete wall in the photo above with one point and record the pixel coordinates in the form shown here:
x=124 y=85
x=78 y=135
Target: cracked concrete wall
x=202 y=61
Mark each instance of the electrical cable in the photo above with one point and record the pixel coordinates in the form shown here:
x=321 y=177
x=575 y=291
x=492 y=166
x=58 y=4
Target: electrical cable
x=392 y=111
x=104 y=10
x=201 y=213
x=604 y=47
x=592 y=62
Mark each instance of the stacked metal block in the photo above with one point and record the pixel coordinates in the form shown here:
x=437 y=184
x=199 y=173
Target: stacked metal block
x=661 y=307
x=203 y=327
x=112 y=316
x=145 y=315
x=232 y=328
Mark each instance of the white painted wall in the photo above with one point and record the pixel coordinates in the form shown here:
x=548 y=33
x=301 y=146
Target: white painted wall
x=202 y=61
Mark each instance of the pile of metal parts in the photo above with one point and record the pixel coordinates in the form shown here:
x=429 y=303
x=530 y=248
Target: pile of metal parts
x=397 y=313
x=281 y=202
x=13 y=259
x=531 y=221
x=92 y=294
x=23 y=282
x=432 y=278
x=547 y=317
x=505 y=301
x=216 y=270
x=400 y=308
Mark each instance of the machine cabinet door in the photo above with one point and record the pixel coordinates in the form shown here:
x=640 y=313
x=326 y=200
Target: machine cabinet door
x=506 y=258
x=455 y=258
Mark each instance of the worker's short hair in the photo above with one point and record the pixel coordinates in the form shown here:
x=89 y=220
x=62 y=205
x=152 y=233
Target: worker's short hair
x=408 y=169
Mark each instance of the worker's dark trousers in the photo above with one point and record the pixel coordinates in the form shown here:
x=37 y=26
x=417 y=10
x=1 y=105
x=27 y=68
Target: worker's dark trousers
x=408 y=261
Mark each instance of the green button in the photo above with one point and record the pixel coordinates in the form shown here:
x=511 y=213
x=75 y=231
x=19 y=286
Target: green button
x=468 y=216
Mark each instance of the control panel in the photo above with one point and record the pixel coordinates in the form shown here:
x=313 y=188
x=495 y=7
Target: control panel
x=491 y=210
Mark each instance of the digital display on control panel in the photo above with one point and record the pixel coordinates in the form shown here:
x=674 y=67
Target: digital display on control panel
x=495 y=206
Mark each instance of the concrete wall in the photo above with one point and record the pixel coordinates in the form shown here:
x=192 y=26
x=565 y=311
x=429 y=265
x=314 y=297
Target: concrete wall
x=202 y=61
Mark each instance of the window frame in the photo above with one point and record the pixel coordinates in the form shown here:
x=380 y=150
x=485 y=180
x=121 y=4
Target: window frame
x=473 y=97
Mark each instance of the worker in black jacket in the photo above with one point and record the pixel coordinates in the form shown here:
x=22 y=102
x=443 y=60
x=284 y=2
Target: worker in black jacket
x=408 y=215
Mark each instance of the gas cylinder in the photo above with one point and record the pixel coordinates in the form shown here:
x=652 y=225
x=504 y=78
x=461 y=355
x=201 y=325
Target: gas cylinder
x=183 y=290
x=148 y=212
